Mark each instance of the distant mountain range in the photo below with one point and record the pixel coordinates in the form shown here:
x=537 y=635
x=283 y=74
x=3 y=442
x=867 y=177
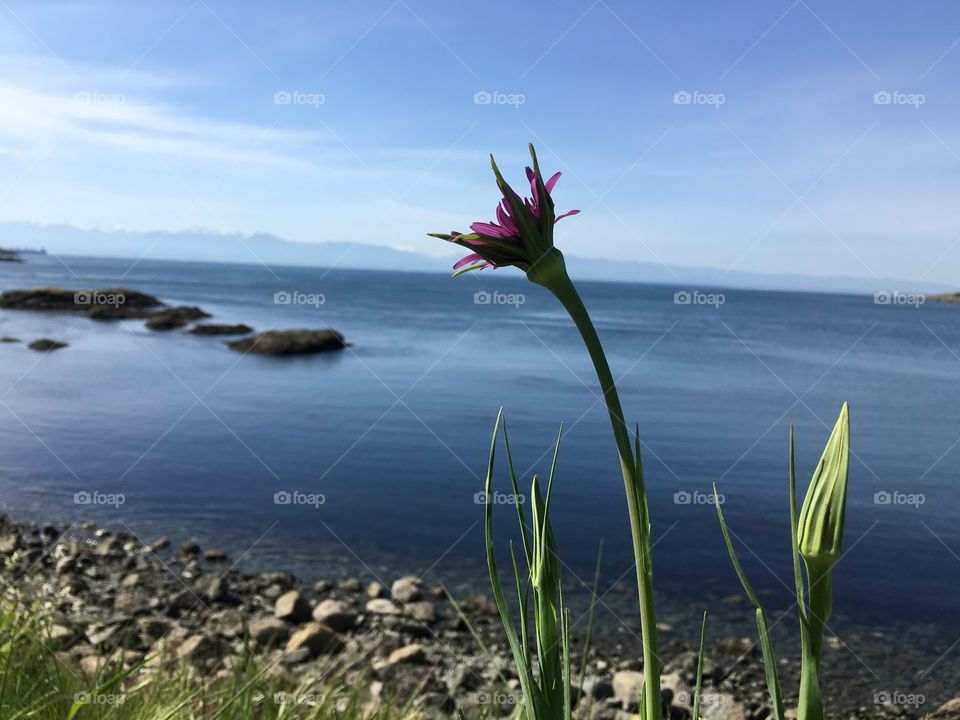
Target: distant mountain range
x=272 y=250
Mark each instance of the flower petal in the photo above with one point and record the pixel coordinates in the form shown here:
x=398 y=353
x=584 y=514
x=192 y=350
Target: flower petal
x=467 y=261
x=567 y=214
x=552 y=181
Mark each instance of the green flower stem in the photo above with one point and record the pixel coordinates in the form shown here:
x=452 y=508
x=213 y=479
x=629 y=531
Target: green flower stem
x=819 y=577
x=551 y=273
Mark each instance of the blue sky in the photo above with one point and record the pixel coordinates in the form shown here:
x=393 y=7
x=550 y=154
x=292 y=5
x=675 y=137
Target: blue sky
x=174 y=115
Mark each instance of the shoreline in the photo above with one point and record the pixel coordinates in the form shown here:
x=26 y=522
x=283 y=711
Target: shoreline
x=109 y=593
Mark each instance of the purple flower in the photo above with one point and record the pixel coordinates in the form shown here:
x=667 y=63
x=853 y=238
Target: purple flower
x=522 y=233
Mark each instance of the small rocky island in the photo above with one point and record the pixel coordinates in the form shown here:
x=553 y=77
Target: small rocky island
x=10 y=256
x=945 y=298
x=111 y=304
x=290 y=342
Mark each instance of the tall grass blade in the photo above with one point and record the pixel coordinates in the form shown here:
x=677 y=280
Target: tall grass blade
x=766 y=644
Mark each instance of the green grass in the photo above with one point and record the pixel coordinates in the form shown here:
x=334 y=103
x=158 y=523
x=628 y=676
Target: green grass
x=38 y=682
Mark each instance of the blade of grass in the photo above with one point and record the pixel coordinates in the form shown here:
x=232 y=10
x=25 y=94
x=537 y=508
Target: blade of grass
x=766 y=645
x=699 y=686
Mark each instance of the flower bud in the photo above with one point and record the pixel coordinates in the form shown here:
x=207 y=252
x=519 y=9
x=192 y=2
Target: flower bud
x=820 y=528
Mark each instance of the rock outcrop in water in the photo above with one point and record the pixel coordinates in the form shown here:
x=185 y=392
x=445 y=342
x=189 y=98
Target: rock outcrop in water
x=46 y=345
x=290 y=342
x=175 y=318
x=945 y=298
x=214 y=329
x=123 y=304
x=9 y=256
x=108 y=303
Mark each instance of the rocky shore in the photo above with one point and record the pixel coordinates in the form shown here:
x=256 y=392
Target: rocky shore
x=112 y=596
x=112 y=304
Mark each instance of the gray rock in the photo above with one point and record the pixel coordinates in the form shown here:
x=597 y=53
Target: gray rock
x=598 y=688
x=335 y=613
x=376 y=590
x=410 y=654
x=292 y=607
x=269 y=632
x=319 y=639
x=290 y=342
x=406 y=589
x=422 y=611
x=201 y=650
x=627 y=688
x=950 y=710
x=212 y=588
x=382 y=606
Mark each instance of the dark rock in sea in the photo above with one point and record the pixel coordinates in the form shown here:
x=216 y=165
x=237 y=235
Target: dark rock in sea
x=9 y=256
x=9 y=340
x=213 y=329
x=115 y=301
x=46 y=345
x=945 y=298
x=290 y=342
x=175 y=318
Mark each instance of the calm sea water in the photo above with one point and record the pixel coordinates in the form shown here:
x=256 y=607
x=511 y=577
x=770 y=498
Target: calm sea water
x=394 y=432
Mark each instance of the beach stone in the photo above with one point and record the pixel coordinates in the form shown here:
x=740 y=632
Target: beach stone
x=627 y=688
x=215 y=555
x=382 y=606
x=319 y=639
x=269 y=632
x=335 y=613
x=200 y=650
x=406 y=589
x=350 y=585
x=90 y=665
x=376 y=590
x=410 y=654
x=292 y=607
x=422 y=611
x=61 y=634
x=161 y=543
x=597 y=687
x=950 y=710
x=212 y=588
x=191 y=548
x=9 y=543
x=721 y=706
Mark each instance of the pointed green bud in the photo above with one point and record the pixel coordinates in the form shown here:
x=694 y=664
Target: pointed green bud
x=820 y=529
